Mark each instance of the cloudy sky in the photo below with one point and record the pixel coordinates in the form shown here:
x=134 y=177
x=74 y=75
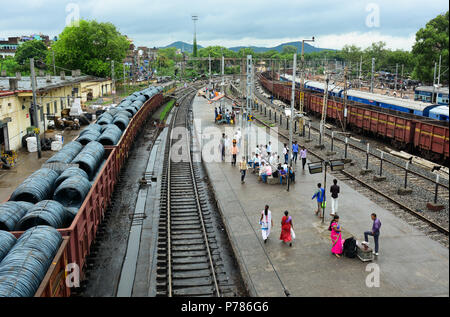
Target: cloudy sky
x=233 y=22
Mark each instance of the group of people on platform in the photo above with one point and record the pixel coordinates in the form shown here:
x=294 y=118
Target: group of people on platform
x=221 y=114
x=337 y=243
x=287 y=226
x=267 y=163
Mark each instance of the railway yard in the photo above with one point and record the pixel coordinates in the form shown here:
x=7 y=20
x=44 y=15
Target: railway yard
x=163 y=216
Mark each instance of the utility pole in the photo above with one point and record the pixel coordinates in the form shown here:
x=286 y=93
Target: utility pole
x=113 y=81
x=291 y=121
x=209 y=59
x=35 y=107
x=345 y=98
x=439 y=72
x=249 y=102
x=324 y=109
x=360 y=70
x=434 y=82
x=124 y=80
x=396 y=76
x=371 y=79
x=302 y=83
x=401 y=88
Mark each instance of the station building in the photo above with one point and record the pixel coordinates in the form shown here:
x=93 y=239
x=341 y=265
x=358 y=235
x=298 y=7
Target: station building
x=54 y=93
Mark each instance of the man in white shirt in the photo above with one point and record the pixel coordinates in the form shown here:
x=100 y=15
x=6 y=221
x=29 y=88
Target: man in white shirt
x=269 y=148
x=257 y=150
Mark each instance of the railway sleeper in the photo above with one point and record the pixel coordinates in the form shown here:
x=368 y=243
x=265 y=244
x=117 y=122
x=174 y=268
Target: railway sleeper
x=191 y=282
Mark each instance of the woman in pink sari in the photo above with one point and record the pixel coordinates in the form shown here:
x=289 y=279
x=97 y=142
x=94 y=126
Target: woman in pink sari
x=336 y=237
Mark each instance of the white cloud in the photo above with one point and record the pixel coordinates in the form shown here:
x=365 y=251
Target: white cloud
x=364 y=40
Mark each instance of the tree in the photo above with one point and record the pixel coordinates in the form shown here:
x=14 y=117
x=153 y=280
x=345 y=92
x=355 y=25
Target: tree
x=90 y=47
x=431 y=42
x=10 y=65
x=31 y=49
x=289 y=49
x=195 y=49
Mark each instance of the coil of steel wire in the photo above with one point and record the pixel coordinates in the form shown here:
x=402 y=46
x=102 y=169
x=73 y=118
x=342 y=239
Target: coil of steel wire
x=10 y=214
x=132 y=110
x=121 y=121
x=110 y=136
x=138 y=103
x=104 y=120
x=91 y=135
x=70 y=172
x=123 y=112
x=72 y=191
x=7 y=241
x=47 y=212
x=71 y=213
x=24 y=267
x=67 y=153
x=94 y=126
x=90 y=158
x=25 y=205
x=36 y=187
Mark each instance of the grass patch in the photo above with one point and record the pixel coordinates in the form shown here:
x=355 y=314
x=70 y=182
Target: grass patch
x=166 y=110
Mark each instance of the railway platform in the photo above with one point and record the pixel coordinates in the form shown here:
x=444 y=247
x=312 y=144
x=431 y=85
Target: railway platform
x=409 y=264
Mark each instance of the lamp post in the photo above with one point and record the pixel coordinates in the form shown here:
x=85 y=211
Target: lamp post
x=319 y=167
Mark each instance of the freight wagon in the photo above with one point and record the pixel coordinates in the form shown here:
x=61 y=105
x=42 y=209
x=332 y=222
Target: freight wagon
x=79 y=236
x=427 y=137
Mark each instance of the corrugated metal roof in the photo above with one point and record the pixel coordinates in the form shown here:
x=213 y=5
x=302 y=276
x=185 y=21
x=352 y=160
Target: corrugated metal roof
x=25 y=83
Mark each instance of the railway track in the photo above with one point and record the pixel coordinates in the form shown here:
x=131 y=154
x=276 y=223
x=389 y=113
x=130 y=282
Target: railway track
x=415 y=179
x=429 y=226
x=188 y=263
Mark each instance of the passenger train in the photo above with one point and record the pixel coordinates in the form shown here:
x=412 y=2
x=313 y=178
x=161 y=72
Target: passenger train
x=433 y=111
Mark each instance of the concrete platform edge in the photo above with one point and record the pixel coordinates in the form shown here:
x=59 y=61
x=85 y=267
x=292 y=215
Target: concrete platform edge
x=245 y=276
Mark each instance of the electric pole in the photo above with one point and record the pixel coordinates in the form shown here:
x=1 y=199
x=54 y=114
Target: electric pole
x=371 y=78
x=396 y=76
x=324 y=109
x=439 y=71
x=249 y=102
x=124 y=80
x=113 y=81
x=209 y=59
x=360 y=70
x=345 y=97
x=35 y=107
x=434 y=82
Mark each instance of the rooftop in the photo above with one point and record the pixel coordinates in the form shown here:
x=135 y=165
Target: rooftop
x=24 y=84
x=443 y=90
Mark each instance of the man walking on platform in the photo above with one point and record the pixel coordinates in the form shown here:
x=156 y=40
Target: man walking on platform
x=375 y=232
x=222 y=146
x=243 y=169
x=295 y=151
x=320 y=196
x=303 y=153
x=334 y=197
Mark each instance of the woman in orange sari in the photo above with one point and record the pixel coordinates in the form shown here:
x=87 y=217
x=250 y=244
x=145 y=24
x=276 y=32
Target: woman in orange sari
x=286 y=225
x=336 y=237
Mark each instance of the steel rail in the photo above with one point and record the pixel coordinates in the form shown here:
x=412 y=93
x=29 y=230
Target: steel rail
x=371 y=154
x=185 y=101
x=404 y=207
